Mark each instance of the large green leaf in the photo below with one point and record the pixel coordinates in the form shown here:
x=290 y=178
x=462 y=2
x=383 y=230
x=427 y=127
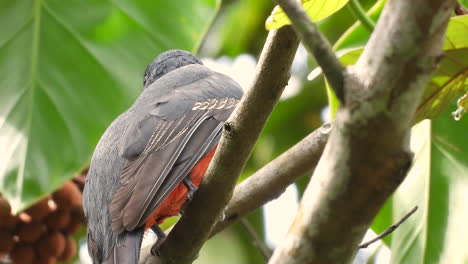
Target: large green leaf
x=438 y=184
x=68 y=68
x=451 y=78
x=316 y=9
x=244 y=19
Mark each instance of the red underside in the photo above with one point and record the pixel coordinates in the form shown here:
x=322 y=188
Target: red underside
x=176 y=199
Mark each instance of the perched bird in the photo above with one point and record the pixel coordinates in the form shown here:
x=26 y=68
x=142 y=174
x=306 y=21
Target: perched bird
x=152 y=158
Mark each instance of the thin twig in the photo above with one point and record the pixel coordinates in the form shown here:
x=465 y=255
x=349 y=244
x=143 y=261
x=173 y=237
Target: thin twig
x=317 y=45
x=390 y=229
x=256 y=240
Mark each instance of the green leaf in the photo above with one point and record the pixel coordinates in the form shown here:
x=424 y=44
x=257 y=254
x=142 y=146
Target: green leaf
x=316 y=9
x=451 y=78
x=70 y=67
x=357 y=35
x=449 y=81
x=333 y=102
x=243 y=19
x=464 y=3
x=438 y=184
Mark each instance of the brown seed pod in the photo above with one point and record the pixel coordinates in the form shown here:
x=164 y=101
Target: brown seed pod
x=46 y=260
x=23 y=254
x=58 y=219
x=72 y=227
x=6 y=241
x=51 y=244
x=39 y=210
x=68 y=196
x=30 y=232
x=8 y=221
x=77 y=214
x=80 y=179
x=5 y=208
x=70 y=249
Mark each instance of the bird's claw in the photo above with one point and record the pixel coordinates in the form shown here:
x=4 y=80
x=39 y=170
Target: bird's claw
x=161 y=237
x=190 y=187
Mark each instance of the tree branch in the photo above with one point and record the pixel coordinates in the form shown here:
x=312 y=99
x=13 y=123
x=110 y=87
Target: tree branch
x=272 y=180
x=367 y=155
x=317 y=45
x=239 y=136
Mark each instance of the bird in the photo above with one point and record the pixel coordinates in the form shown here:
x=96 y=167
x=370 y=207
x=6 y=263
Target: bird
x=151 y=159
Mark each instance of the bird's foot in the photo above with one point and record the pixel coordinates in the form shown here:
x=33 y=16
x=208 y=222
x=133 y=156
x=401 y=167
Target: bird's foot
x=161 y=237
x=190 y=187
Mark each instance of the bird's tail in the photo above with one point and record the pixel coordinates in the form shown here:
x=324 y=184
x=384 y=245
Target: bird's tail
x=128 y=251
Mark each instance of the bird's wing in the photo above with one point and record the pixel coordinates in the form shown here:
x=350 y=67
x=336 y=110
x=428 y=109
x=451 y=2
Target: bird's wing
x=168 y=140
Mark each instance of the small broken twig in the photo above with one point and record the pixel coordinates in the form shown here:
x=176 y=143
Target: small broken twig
x=256 y=240
x=390 y=229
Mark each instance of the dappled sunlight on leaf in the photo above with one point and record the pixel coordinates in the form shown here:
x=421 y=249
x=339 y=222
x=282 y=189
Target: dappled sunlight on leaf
x=316 y=9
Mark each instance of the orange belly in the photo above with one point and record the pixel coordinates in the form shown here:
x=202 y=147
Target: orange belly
x=176 y=199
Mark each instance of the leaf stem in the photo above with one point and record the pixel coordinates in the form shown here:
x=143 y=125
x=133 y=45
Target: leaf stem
x=358 y=11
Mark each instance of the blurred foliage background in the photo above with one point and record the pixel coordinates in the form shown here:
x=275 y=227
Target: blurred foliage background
x=69 y=68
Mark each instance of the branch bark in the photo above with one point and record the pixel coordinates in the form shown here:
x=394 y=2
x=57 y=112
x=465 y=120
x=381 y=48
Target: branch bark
x=239 y=136
x=272 y=180
x=367 y=155
x=317 y=45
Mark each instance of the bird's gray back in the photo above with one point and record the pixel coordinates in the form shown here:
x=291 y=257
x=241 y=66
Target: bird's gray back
x=101 y=184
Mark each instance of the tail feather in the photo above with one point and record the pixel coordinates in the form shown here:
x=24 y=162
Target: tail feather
x=128 y=250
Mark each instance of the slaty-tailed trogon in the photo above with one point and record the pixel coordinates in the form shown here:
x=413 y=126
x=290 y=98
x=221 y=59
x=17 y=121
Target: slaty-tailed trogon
x=155 y=154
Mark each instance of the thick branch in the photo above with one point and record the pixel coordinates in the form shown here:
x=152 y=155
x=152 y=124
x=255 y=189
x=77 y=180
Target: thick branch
x=272 y=180
x=239 y=136
x=367 y=155
x=317 y=45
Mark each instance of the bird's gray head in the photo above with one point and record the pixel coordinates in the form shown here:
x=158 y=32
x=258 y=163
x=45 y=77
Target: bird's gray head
x=166 y=62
